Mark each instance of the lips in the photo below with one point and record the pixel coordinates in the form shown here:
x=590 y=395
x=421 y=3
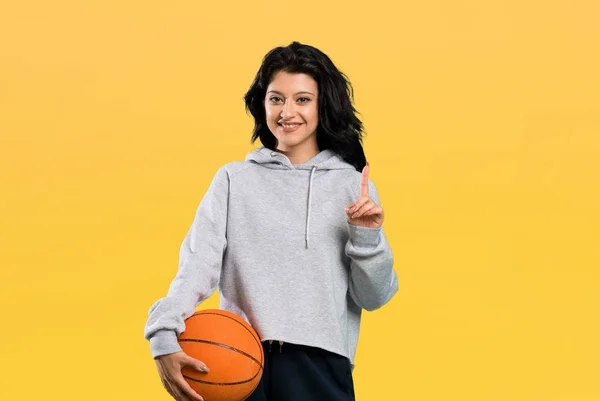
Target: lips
x=289 y=127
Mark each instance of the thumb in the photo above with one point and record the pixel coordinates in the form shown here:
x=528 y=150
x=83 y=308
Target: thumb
x=196 y=364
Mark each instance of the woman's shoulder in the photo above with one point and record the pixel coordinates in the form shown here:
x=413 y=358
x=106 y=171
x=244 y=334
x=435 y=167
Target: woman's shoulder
x=233 y=168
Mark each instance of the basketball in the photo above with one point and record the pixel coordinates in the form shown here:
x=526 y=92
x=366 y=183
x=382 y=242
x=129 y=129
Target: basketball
x=231 y=349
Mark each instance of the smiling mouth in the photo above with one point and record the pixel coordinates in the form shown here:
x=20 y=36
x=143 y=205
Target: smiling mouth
x=293 y=125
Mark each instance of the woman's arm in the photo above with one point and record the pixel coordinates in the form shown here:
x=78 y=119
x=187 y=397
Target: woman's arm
x=373 y=280
x=200 y=261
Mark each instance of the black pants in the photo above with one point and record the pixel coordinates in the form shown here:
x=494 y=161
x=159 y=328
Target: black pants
x=301 y=373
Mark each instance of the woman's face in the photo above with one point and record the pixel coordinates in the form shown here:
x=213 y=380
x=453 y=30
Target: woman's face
x=291 y=111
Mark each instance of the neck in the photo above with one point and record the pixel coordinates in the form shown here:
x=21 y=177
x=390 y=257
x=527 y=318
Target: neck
x=299 y=156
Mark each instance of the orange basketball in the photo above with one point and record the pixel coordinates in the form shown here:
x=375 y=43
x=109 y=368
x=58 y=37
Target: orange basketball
x=230 y=348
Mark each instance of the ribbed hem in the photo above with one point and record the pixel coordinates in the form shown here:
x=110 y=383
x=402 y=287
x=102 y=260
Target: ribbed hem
x=164 y=342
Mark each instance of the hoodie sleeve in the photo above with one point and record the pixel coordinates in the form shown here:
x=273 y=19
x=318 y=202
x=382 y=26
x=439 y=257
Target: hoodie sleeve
x=200 y=260
x=373 y=280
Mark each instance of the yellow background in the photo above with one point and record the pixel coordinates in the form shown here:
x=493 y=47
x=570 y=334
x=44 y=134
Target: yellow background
x=483 y=122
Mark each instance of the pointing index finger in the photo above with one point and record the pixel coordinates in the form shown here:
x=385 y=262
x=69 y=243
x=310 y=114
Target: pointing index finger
x=364 y=181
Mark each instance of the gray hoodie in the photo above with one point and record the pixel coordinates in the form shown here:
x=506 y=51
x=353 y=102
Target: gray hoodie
x=273 y=238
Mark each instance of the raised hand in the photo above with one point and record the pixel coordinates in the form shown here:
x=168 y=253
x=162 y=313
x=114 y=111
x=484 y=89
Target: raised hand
x=365 y=212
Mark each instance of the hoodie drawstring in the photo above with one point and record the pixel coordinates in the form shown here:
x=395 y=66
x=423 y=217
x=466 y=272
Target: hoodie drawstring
x=310 y=182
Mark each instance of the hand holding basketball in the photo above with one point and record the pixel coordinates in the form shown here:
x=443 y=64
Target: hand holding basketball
x=225 y=342
x=365 y=212
x=169 y=368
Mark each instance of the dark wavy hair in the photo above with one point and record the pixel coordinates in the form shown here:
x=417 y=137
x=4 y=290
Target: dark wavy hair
x=339 y=127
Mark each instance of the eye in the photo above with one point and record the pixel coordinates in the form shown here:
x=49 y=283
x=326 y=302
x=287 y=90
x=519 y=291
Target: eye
x=304 y=99
x=275 y=99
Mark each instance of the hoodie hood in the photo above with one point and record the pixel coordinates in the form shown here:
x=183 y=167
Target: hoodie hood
x=324 y=160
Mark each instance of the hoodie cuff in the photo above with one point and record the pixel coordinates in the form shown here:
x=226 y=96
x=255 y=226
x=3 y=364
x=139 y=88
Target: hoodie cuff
x=364 y=236
x=164 y=342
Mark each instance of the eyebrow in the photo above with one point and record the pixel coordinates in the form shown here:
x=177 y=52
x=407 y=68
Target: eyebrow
x=297 y=93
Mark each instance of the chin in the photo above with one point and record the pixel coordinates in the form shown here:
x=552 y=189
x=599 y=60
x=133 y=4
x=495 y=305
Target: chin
x=290 y=140
x=287 y=144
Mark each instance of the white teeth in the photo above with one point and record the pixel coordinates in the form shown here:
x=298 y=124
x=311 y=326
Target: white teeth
x=289 y=125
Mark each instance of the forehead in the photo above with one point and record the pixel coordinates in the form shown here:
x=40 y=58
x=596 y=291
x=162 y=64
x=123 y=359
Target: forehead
x=292 y=82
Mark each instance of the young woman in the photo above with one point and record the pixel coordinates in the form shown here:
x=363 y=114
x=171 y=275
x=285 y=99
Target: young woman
x=292 y=237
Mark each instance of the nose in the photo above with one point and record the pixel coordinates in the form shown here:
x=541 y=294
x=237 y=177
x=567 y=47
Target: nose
x=288 y=110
